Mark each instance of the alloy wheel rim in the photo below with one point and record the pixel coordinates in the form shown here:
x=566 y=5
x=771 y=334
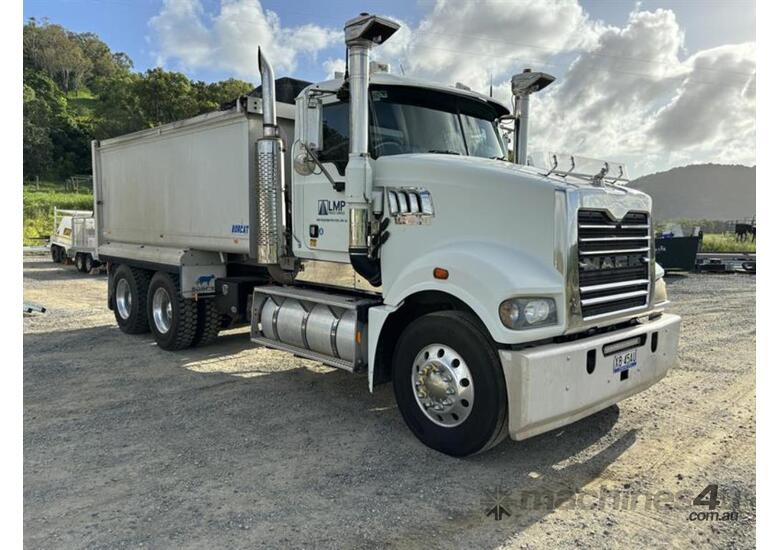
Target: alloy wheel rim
x=124 y=299
x=162 y=310
x=443 y=386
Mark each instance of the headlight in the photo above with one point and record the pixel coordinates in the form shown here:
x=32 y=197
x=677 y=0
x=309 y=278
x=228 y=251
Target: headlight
x=522 y=313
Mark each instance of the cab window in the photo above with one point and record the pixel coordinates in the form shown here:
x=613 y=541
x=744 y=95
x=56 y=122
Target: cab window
x=335 y=135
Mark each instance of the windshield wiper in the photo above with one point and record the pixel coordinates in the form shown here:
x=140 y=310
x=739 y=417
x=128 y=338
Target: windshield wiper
x=444 y=152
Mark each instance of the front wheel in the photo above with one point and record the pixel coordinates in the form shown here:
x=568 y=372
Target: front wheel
x=449 y=384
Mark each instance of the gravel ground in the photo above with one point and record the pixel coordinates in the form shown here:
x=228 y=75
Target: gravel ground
x=238 y=446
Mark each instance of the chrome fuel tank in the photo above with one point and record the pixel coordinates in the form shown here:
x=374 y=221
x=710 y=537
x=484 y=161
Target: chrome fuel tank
x=317 y=324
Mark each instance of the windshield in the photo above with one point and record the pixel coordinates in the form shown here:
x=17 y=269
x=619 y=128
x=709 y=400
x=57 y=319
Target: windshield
x=410 y=120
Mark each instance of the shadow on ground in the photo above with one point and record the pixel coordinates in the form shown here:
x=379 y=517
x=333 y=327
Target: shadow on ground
x=236 y=445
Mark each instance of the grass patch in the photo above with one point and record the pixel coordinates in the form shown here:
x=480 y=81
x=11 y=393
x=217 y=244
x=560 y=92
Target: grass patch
x=726 y=242
x=38 y=217
x=82 y=103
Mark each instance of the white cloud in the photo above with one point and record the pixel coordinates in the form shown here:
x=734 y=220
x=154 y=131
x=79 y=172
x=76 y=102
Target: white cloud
x=714 y=105
x=630 y=93
x=188 y=37
x=635 y=97
x=332 y=66
x=468 y=41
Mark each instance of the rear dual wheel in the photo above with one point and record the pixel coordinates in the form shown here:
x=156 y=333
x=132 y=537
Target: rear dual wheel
x=173 y=319
x=143 y=302
x=176 y=322
x=84 y=262
x=128 y=299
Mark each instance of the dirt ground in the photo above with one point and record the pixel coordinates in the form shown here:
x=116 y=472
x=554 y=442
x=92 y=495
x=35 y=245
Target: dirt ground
x=238 y=446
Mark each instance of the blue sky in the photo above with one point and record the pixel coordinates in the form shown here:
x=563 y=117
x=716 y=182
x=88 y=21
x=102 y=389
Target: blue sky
x=124 y=24
x=655 y=84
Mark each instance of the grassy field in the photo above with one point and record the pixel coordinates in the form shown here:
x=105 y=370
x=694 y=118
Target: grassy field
x=39 y=208
x=726 y=242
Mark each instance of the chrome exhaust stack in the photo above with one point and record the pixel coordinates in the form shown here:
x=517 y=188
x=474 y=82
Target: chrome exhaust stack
x=361 y=34
x=523 y=85
x=269 y=230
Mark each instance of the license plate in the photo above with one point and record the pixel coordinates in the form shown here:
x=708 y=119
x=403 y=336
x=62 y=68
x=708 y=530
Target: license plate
x=624 y=360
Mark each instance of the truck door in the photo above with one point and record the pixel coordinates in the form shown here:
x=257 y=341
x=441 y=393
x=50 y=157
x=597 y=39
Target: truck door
x=320 y=215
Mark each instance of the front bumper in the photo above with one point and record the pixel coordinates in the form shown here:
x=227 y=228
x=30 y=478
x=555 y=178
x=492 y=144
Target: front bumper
x=549 y=386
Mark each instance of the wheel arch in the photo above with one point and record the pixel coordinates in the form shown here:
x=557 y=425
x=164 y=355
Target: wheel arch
x=391 y=321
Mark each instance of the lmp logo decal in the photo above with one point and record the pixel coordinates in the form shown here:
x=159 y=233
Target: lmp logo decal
x=327 y=207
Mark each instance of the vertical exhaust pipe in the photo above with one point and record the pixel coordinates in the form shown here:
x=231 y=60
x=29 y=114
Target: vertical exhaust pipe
x=520 y=138
x=270 y=127
x=523 y=85
x=269 y=228
x=361 y=34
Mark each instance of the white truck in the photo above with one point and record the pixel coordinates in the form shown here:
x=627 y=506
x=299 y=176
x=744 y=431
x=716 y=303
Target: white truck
x=373 y=223
x=74 y=239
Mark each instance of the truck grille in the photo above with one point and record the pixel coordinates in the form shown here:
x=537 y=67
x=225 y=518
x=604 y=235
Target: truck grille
x=614 y=266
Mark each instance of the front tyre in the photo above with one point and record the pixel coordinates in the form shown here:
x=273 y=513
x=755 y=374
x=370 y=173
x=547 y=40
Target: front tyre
x=172 y=318
x=449 y=384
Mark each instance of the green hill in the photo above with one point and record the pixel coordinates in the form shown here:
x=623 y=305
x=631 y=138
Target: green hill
x=702 y=192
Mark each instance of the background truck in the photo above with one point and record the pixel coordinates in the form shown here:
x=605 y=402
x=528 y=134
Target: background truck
x=74 y=239
x=374 y=223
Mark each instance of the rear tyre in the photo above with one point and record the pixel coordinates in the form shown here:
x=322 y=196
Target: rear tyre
x=54 y=254
x=209 y=323
x=449 y=384
x=89 y=263
x=172 y=319
x=79 y=261
x=128 y=299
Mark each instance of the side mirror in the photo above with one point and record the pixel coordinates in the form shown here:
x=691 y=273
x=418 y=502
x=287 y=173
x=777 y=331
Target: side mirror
x=313 y=124
x=304 y=162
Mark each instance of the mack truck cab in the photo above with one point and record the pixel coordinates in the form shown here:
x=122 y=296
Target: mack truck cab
x=391 y=232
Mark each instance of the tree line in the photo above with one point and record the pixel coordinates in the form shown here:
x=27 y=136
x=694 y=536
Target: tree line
x=76 y=90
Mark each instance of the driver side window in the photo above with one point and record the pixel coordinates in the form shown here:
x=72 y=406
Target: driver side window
x=335 y=135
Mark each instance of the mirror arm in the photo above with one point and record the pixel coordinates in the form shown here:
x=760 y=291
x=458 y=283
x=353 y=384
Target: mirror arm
x=337 y=185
